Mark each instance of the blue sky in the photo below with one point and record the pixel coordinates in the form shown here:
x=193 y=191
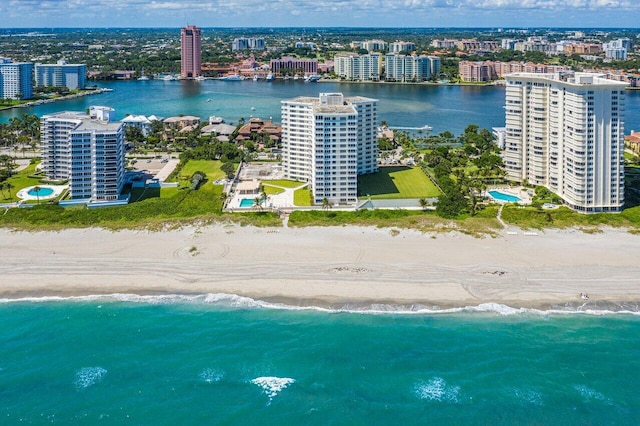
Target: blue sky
x=321 y=13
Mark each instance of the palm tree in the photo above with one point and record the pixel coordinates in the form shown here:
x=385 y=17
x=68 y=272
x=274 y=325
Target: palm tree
x=326 y=204
x=257 y=203
x=424 y=203
x=37 y=190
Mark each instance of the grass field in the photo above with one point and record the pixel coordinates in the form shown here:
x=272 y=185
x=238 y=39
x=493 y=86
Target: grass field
x=397 y=182
x=209 y=167
x=272 y=190
x=19 y=181
x=283 y=183
x=302 y=197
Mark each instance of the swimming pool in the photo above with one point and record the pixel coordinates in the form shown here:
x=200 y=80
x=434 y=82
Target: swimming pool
x=40 y=191
x=246 y=203
x=501 y=196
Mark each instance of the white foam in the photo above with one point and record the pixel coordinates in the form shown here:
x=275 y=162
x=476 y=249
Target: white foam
x=529 y=396
x=437 y=389
x=243 y=302
x=272 y=386
x=89 y=376
x=589 y=394
x=210 y=375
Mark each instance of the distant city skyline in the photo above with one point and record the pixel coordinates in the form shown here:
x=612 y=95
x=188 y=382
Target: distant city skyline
x=321 y=13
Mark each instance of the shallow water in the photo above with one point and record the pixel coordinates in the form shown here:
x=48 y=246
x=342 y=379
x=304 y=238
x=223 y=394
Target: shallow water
x=177 y=360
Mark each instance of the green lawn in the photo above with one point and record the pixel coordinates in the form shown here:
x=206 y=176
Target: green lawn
x=210 y=167
x=272 y=190
x=180 y=206
x=302 y=197
x=19 y=181
x=397 y=182
x=283 y=183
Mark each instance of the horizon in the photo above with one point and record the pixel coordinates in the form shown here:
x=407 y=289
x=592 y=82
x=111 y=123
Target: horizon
x=325 y=13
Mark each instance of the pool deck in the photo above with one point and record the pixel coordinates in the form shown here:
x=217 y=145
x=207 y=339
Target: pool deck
x=24 y=195
x=520 y=192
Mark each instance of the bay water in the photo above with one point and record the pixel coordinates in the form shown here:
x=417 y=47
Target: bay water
x=222 y=359
x=444 y=107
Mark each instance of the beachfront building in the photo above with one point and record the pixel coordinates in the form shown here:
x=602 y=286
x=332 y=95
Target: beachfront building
x=356 y=67
x=406 y=68
x=565 y=131
x=61 y=74
x=16 y=81
x=85 y=150
x=191 y=52
x=288 y=65
x=328 y=141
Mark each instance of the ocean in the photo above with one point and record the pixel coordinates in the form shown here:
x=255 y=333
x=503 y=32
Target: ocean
x=220 y=359
x=445 y=108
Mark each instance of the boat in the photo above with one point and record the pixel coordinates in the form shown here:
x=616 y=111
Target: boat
x=255 y=77
x=295 y=77
x=142 y=76
x=311 y=78
x=253 y=108
x=233 y=77
x=200 y=78
x=169 y=78
x=270 y=77
x=208 y=100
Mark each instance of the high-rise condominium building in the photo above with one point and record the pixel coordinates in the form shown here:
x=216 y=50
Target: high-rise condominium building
x=71 y=76
x=86 y=150
x=191 y=52
x=410 y=67
x=16 y=81
x=358 y=67
x=566 y=132
x=328 y=141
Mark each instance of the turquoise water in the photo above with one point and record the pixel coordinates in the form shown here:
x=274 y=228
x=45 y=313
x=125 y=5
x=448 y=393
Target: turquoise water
x=246 y=202
x=210 y=360
x=42 y=191
x=504 y=197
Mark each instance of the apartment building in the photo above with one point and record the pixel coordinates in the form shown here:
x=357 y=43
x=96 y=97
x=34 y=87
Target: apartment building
x=290 y=65
x=86 y=150
x=250 y=43
x=565 y=131
x=16 y=81
x=61 y=74
x=328 y=141
x=401 y=46
x=410 y=67
x=352 y=66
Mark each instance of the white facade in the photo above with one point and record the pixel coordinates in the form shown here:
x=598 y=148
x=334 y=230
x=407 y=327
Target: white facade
x=328 y=141
x=358 y=67
x=72 y=76
x=87 y=152
x=410 y=68
x=566 y=132
x=16 y=81
x=400 y=46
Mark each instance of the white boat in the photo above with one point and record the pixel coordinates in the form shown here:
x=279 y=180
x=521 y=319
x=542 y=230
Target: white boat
x=142 y=76
x=233 y=77
x=255 y=77
x=169 y=78
x=311 y=78
x=270 y=77
x=295 y=77
x=208 y=100
x=200 y=78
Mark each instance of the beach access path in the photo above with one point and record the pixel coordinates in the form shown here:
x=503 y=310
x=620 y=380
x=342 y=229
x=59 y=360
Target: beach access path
x=332 y=266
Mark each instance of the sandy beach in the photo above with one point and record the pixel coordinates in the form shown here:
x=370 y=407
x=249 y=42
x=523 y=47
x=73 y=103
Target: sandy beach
x=333 y=267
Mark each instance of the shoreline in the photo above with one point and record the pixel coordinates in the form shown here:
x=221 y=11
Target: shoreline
x=86 y=92
x=329 y=268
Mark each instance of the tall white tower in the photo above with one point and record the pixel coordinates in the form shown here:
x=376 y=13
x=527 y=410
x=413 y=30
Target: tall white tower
x=566 y=132
x=328 y=141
